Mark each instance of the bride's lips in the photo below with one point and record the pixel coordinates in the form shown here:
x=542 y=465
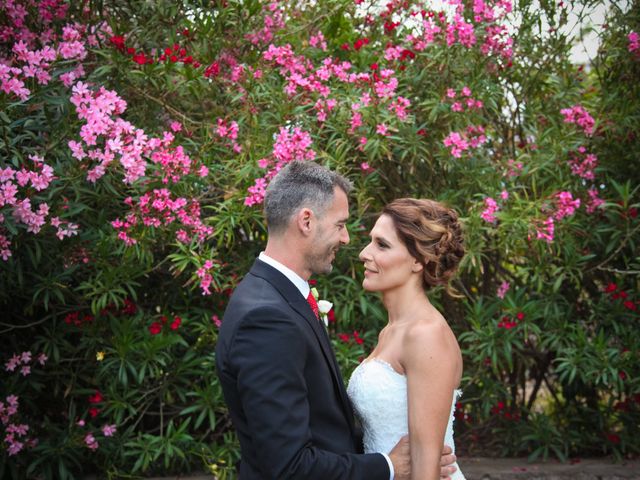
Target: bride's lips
x=368 y=271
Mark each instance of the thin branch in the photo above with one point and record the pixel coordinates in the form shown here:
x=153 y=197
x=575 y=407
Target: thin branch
x=617 y=250
x=165 y=105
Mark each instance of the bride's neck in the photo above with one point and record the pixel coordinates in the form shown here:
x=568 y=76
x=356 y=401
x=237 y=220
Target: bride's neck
x=402 y=303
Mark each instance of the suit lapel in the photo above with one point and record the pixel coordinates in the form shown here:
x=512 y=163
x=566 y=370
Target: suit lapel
x=293 y=297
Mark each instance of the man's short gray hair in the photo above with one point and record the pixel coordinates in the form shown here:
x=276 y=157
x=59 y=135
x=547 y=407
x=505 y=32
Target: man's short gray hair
x=300 y=185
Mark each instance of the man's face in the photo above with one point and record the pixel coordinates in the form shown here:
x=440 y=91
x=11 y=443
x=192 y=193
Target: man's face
x=330 y=234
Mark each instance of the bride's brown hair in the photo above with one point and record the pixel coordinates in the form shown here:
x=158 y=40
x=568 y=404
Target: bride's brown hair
x=433 y=235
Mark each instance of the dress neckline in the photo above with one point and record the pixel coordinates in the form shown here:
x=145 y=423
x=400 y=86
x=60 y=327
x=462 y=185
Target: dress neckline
x=384 y=363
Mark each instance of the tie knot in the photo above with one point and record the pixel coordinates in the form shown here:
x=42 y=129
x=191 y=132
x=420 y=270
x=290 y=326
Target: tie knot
x=311 y=300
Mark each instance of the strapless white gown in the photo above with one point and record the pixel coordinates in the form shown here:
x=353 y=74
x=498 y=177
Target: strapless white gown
x=379 y=397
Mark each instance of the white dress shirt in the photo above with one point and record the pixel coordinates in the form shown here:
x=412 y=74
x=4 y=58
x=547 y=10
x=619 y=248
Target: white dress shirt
x=303 y=286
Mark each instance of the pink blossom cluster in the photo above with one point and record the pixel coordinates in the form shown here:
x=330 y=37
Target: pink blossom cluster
x=503 y=289
x=159 y=208
x=107 y=137
x=578 y=115
x=27 y=60
x=24 y=361
x=399 y=107
x=204 y=274
x=594 y=202
x=634 y=42
x=90 y=440
x=16 y=192
x=318 y=41
x=15 y=433
x=489 y=213
x=566 y=205
x=546 y=231
x=513 y=168
x=460 y=31
x=273 y=21
x=583 y=164
x=324 y=107
x=496 y=35
x=458 y=142
x=467 y=102
x=228 y=130
x=290 y=144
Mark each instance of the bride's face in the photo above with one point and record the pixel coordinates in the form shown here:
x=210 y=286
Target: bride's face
x=387 y=262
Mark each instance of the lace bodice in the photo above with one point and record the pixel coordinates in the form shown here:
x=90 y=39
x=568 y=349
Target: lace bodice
x=379 y=396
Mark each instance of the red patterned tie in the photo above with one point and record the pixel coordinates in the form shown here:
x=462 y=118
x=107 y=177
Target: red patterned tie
x=313 y=304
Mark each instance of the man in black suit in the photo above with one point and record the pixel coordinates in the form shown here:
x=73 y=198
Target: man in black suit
x=274 y=359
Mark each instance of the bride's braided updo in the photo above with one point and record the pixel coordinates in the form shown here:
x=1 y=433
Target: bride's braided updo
x=432 y=234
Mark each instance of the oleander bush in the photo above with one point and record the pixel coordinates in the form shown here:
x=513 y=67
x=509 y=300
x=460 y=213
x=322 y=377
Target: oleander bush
x=136 y=140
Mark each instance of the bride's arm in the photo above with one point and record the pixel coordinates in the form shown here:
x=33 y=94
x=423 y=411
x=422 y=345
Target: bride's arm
x=431 y=364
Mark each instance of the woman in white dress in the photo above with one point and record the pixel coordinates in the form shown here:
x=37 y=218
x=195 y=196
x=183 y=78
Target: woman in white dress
x=409 y=382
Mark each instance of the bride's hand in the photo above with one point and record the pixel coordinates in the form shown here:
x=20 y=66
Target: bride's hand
x=447 y=460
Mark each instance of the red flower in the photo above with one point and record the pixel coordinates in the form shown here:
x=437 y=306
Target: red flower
x=612 y=287
x=344 y=46
x=155 y=328
x=406 y=53
x=633 y=212
x=630 y=305
x=173 y=58
x=96 y=398
x=331 y=316
x=374 y=66
x=212 y=70
x=93 y=412
x=131 y=50
x=118 y=42
x=176 y=323
x=613 y=438
x=622 y=374
x=422 y=132
x=313 y=283
x=520 y=316
x=140 y=58
x=168 y=51
x=129 y=307
x=344 y=337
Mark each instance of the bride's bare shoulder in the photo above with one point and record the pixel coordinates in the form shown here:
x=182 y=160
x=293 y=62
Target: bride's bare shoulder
x=430 y=337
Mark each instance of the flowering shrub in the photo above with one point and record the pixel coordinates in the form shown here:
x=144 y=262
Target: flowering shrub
x=136 y=144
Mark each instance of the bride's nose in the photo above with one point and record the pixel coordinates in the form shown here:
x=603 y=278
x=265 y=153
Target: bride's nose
x=364 y=255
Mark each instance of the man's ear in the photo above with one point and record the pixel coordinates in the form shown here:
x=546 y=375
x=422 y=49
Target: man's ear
x=304 y=220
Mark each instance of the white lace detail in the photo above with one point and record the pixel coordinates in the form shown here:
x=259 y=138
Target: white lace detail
x=379 y=396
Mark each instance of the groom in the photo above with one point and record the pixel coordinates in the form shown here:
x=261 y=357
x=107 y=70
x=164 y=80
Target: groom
x=277 y=369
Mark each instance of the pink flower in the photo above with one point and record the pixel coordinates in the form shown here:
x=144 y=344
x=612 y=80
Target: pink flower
x=547 y=232
x=488 y=214
x=503 y=289
x=579 y=116
x=565 y=205
x=108 y=430
x=594 y=201
x=634 y=41
x=91 y=442
x=381 y=129
x=216 y=321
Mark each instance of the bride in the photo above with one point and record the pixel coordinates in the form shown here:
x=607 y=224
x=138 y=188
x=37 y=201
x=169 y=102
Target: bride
x=409 y=382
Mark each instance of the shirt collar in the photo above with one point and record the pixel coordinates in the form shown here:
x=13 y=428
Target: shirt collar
x=301 y=284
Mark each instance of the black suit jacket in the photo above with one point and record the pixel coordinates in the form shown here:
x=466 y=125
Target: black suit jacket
x=283 y=387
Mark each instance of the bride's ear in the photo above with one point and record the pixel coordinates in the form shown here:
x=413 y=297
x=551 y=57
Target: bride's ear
x=417 y=266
